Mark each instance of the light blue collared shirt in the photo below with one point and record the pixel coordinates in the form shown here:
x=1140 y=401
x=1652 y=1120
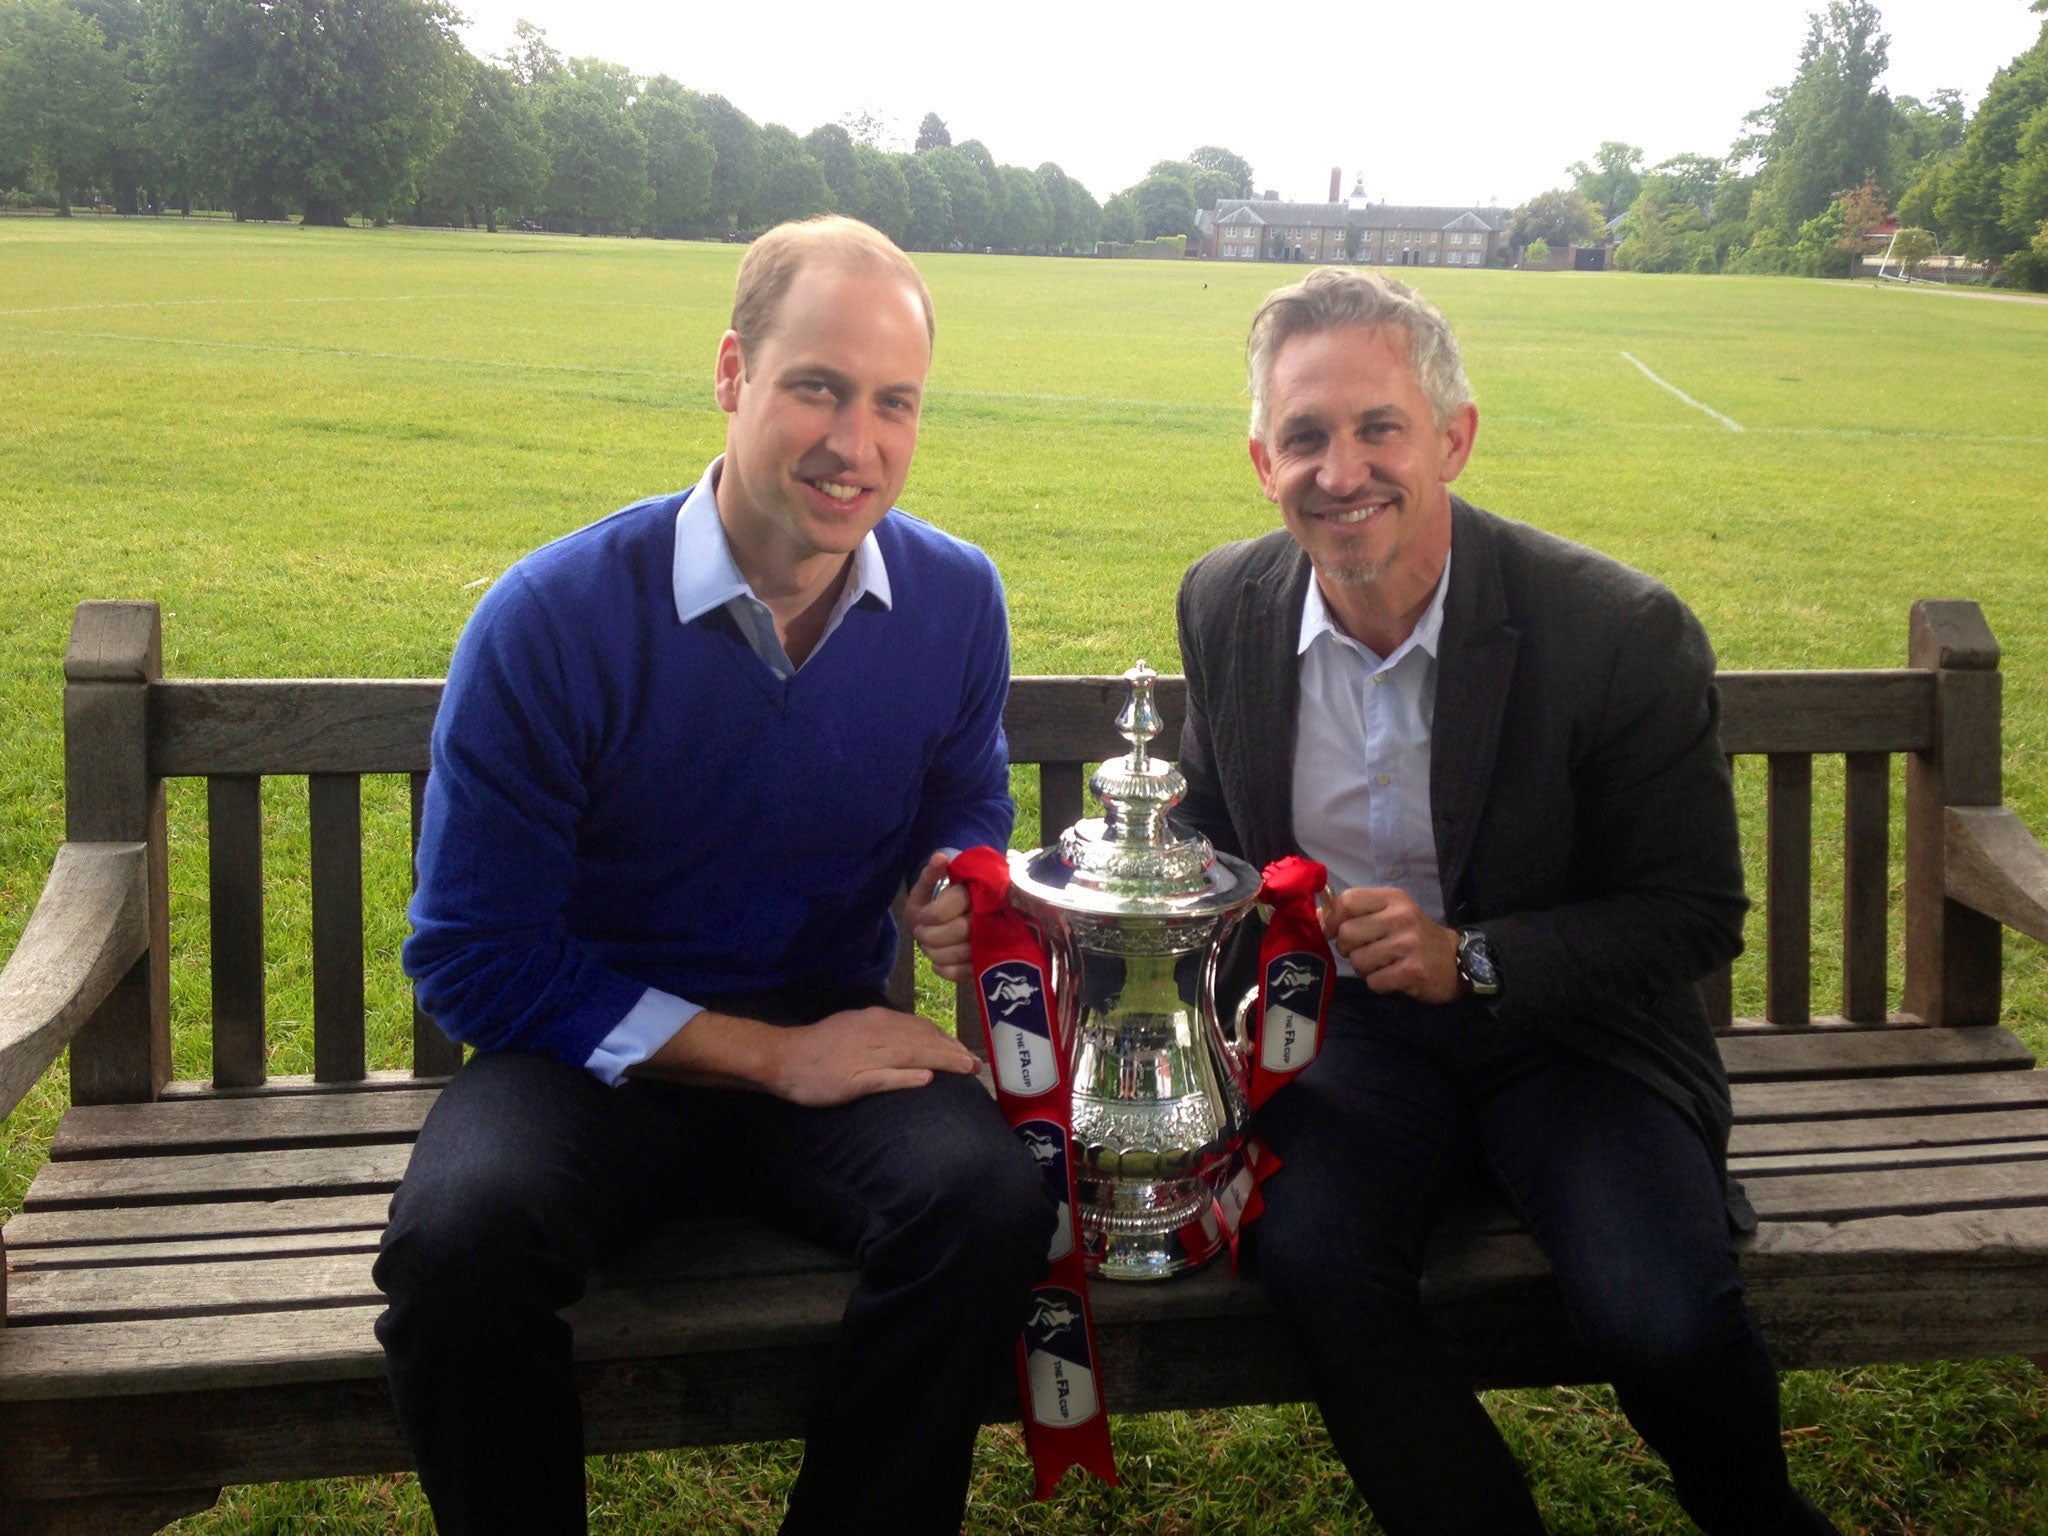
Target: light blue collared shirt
x=706 y=578
x=1361 y=754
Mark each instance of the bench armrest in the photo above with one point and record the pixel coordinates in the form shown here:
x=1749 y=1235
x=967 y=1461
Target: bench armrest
x=90 y=926
x=1995 y=866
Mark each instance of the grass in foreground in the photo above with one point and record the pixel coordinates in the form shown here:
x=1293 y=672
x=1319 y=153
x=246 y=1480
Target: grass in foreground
x=316 y=447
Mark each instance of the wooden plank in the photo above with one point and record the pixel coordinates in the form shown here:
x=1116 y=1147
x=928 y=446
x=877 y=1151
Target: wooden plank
x=1073 y=719
x=1061 y=802
x=227 y=1287
x=297 y=1085
x=1717 y=991
x=1821 y=711
x=1959 y=1128
x=1855 y=1098
x=1995 y=866
x=268 y=1245
x=1939 y=1155
x=122 y=1052
x=292 y=725
x=179 y=1223
x=1872 y=1053
x=335 y=803
x=85 y=939
x=1900 y=1191
x=1866 y=883
x=240 y=1124
x=1788 y=909
x=210 y=1177
x=1953 y=955
x=234 y=854
x=433 y=1053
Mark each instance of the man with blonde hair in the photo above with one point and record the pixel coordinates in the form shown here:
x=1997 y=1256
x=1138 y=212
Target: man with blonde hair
x=1505 y=748
x=686 y=758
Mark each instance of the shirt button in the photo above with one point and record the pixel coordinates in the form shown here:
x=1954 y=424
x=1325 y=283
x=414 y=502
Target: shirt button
x=1393 y=871
x=1384 y=779
x=1379 y=677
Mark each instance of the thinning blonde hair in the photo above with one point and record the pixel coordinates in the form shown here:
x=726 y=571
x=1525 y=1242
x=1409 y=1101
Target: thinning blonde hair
x=772 y=263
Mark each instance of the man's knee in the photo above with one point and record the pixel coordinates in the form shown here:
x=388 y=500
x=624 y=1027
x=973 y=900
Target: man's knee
x=1684 y=1324
x=975 y=1205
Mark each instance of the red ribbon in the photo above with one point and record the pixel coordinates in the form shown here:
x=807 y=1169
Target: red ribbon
x=1058 y=1370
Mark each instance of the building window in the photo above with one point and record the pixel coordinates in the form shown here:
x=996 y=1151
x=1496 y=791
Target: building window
x=1432 y=258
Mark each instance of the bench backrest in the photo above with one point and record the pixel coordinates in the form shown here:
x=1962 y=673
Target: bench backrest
x=128 y=729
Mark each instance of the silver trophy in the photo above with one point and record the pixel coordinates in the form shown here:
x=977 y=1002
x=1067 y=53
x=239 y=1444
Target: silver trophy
x=1134 y=917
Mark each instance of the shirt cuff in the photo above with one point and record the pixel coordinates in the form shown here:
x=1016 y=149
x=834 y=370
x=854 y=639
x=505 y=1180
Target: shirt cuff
x=649 y=1025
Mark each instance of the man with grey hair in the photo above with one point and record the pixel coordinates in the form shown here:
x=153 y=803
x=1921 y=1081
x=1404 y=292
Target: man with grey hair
x=1506 y=750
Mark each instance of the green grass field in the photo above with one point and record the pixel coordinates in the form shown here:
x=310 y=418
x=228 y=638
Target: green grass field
x=315 y=447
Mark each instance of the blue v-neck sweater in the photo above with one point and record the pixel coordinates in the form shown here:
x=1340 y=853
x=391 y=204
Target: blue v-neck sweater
x=620 y=800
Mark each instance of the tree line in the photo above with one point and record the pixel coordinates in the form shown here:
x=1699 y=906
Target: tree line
x=1827 y=158
x=332 y=109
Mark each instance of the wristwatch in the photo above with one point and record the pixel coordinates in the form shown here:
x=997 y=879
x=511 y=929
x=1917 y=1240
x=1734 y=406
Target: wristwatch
x=1481 y=977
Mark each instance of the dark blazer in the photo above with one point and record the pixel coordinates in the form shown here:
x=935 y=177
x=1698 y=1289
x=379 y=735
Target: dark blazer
x=1584 y=812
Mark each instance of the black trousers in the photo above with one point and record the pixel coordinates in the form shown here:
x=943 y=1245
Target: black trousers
x=528 y=1172
x=1618 y=1188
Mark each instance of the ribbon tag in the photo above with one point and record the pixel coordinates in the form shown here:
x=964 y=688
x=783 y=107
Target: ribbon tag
x=1296 y=977
x=1065 y=1424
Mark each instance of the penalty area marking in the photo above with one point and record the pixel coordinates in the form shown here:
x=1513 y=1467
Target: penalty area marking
x=1727 y=421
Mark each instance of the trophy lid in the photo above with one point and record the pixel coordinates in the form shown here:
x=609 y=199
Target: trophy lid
x=1132 y=860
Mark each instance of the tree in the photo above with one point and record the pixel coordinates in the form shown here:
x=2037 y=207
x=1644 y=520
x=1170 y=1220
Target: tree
x=598 y=158
x=1027 y=220
x=832 y=147
x=1211 y=157
x=333 y=105
x=130 y=163
x=738 y=170
x=680 y=159
x=869 y=128
x=792 y=183
x=1614 y=178
x=881 y=195
x=932 y=134
x=1971 y=203
x=1057 y=188
x=967 y=198
x=991 y=231
x=1686 y=180
x=1119 y=222
x=531 y=58
x=1164 y=206
x=1831 y=127
x=63 y=97
x=1538 y=252
x=931 y=204
x=497 y=156
x=1562 y=216
x=1087 y=227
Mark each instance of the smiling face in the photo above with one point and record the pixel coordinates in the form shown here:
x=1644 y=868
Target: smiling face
x=823 y=420
x=1360 y=470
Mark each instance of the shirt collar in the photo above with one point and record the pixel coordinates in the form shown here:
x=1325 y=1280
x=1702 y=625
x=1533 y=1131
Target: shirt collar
x=706 y=576
x=1317 y=621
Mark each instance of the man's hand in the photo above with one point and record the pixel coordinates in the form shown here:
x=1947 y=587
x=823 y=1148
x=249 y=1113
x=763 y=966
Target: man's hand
x=940 y=927
x=843 y=1056
x=1393 y=944
x=868 y=1050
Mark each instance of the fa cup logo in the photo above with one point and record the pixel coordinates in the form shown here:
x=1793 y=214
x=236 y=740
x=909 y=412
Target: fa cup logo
x=1048 y=1147
x=1061 y=1374
x=1294 y=995
x=1020 y=1031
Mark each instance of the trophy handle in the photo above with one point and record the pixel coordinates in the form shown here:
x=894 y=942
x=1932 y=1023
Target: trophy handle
x=1233 y=1047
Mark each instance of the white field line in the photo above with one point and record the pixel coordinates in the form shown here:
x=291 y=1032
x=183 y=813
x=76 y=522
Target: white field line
x=1727 y=421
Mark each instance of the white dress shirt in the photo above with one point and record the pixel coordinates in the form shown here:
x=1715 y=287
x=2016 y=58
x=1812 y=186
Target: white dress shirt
x=1361 y=754
x=706 y=578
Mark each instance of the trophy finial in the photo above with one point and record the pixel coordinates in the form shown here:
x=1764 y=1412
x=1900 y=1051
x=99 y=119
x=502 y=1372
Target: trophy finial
x=1140 y=721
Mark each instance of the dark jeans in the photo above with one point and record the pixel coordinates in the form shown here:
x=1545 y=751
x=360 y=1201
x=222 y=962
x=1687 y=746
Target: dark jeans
x=1617 y=1186
x=528 y=1172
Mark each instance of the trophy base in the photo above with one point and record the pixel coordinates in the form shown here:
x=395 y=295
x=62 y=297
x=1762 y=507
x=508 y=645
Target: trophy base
x=1147 y=1231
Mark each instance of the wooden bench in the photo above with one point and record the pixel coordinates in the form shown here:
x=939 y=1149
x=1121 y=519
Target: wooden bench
x=188 y=1298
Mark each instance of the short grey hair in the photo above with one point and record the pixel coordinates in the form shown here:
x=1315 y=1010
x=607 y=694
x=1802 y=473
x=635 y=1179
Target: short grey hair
x=1331 y=298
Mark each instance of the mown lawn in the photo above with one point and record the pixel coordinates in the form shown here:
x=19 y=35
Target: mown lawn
x=314 y=448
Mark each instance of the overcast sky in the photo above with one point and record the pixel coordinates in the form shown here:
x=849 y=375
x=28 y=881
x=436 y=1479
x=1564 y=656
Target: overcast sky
x=1479 y=101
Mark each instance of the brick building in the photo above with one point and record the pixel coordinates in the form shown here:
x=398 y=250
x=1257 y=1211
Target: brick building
x=1356 y=231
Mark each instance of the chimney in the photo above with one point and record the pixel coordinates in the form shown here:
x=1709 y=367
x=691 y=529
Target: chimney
x=1336 y=182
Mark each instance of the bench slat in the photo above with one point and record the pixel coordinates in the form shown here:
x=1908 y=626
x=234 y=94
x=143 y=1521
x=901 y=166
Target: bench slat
x=1950 y=1130
x=167 y=1223
x=1837 y=1053
x=1852 y=1098
x=217 y=1176
x=234 y=849
x=1865 y=1193
x=1788 y=905
x=202 y=1249
x=1945 y=1154
x=1866 y=883
x=336 y=804
x=238 y=1125
x=433 y=1053
x=171 y=1290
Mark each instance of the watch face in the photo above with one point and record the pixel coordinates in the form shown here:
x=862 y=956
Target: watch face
x=1475 y=959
